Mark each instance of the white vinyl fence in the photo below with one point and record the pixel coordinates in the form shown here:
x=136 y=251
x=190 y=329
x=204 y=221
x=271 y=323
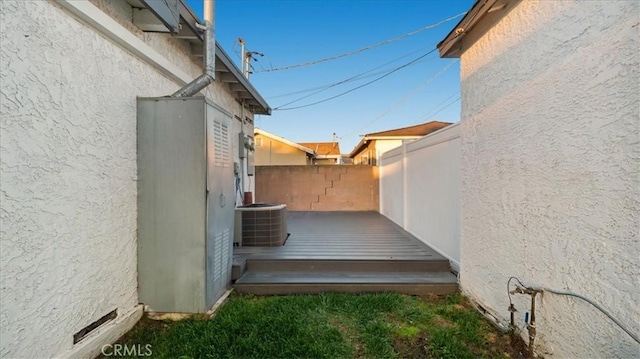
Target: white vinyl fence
x=420 y=190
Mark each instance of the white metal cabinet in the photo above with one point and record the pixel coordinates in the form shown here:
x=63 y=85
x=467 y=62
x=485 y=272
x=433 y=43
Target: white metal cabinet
x=185 y=203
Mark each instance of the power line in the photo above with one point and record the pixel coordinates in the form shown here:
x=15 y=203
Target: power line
x=430 y=114
x=309 y=63
x=434 y=108
x=353 y=78
x=363 y=85
x=403 y=100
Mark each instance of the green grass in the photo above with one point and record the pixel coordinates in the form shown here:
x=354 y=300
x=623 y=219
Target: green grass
x=329 y=326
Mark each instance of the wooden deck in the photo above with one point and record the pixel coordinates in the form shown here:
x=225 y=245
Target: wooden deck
x=345 y=252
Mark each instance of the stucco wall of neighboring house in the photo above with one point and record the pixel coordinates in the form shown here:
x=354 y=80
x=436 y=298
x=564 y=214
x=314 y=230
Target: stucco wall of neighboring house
x=325 y=161
x=271 y=152
x=68 y=169
x=551 y=170
x=365 y=155
x=382 y=146
x=370 y=154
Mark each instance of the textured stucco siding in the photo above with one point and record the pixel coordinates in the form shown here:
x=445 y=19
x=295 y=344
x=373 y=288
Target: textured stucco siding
x=68 y=169
x=551 y=170
x=383 y=146
x=272 y=152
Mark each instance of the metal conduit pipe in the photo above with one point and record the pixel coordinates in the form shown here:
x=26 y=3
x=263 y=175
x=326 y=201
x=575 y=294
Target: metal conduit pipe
x=208 y=75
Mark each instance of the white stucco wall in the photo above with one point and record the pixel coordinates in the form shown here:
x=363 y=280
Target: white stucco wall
x=383 y=146
x=551 y=170
x=68 y=170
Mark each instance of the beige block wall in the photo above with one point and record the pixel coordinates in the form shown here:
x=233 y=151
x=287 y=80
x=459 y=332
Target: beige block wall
x=319 y=188
x=271 y=152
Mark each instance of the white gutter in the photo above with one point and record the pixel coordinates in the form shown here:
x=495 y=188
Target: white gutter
x=208 y=74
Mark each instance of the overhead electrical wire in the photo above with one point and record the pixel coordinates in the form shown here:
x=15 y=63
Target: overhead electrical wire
x=360 y=86
x=437 y=108
x=446 y=106
x=385 y=42
x=350 y=79
x=359 y=76
x=406 y=98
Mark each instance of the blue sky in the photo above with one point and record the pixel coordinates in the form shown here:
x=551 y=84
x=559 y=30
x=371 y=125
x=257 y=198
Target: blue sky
x=292 y=32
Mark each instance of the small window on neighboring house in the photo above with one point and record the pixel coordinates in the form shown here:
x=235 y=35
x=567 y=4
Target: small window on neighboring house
x=258 y=141
x=365 y=160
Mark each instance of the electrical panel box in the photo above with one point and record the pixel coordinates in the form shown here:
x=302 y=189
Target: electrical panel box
x=185 y=203
x=250 y=164
x=241 y=145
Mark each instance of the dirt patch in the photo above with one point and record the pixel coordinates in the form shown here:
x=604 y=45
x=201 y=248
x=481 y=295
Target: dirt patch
x=515 y=345
x=491 y=338
x=414 y=348
x=433 y=298
x=442 y=322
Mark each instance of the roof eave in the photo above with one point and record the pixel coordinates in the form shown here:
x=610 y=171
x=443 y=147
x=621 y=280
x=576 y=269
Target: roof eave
x=222 y=55
x=359 y=147
x=394 y=137
x=483 y=11
x=191 y=32
x=285 y=141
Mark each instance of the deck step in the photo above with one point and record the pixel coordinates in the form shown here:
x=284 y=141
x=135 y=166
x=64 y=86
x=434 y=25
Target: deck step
x=238 y=267
x=348 y=265
x=278 y=282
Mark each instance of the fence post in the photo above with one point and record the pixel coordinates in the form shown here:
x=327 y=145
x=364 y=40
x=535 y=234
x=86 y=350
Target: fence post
x=405 y=205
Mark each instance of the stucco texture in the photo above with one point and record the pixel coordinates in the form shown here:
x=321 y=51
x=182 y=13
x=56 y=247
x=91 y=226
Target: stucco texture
x=551 y=170
x=68 y=169
x=271 y=152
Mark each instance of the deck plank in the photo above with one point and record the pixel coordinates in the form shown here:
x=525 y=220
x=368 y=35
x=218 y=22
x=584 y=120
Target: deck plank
x=343 y=236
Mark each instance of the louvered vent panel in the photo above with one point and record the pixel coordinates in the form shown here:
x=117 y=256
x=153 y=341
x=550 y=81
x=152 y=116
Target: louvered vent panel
x=224 y=253
x=217 y=265
x=218 y=143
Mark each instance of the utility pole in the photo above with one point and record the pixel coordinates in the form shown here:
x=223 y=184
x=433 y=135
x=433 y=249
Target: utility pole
x=246 y=58
x=247 y=68
x=241 y=42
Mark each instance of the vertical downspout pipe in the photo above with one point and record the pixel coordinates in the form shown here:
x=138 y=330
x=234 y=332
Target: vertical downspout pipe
x=208 y=74
x=532 y=324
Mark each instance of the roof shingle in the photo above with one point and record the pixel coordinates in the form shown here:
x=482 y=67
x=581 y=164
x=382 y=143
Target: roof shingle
x=323 y=148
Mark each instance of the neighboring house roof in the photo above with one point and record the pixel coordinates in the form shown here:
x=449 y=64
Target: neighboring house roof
x=323 y=148
x=284 y=140
x=487 y=12
x=404 y=133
